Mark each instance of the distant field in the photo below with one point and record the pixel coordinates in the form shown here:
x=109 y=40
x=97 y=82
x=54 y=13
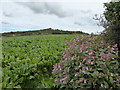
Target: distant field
x=28 y=60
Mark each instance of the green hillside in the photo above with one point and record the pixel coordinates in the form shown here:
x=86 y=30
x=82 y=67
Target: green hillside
x=41 y=32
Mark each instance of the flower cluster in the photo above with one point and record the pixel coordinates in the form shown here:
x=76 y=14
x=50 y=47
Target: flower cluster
x=88 y=62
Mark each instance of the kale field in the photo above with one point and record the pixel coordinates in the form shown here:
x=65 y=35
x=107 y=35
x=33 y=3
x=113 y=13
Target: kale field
x=28 y=60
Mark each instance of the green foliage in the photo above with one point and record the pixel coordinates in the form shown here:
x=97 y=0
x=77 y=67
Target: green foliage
x=112 y=31
x=28 y=60
x=112 y=13
x=112 y=16
x=88 y=62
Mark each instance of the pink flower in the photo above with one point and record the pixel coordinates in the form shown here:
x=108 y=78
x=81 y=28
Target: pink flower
x=57 y=67
x=85 y=81
x=66 y=54
x=66 y=71
x=102 y=42
x=72 y=58
x=67 y=42
x=101 y=54
x=60 y=75
x=94 y=38
x=105 y=56
x=54 y=71
x=77 y=74
x=113 y=47
x=63 y=79
x=84 y=59
x=71 y=46
x=102 y=85
x=77 y=68
x=83 y=47
x=83 y=71
x=86 y=68
x=90 y=53
x=80 y=64
x=91 y=63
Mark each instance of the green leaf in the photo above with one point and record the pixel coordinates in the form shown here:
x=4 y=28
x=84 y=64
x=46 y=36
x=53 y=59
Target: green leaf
x=20 y=80
x=31 y=77
x=111 y=80
x=100 y=69
x=101 y=50
x=35 y=60
x=106 y=84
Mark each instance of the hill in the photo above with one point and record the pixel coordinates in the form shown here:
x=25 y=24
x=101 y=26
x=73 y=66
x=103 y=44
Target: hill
x=41 y=32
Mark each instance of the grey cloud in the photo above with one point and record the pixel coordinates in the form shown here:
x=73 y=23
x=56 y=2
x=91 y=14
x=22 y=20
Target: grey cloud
x=7 y=14
x=52 y=8
x=3 y=22
x=85 y=21
x=57 y=10
x=46 y=8
x=78 y=23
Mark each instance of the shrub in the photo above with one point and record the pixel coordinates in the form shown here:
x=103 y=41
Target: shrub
x=112 y=17
x=88 y=62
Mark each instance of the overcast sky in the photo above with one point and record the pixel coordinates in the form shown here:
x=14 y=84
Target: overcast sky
x=72 y=15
